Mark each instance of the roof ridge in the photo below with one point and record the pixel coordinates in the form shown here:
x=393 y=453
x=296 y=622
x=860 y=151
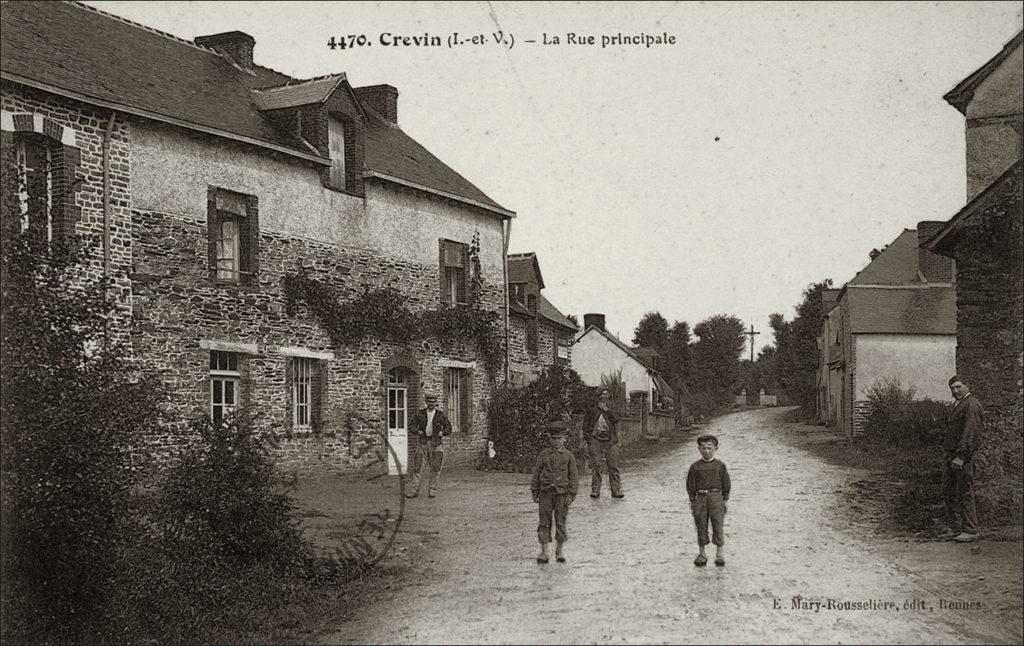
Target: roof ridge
x=297 y=82
x=143 y=27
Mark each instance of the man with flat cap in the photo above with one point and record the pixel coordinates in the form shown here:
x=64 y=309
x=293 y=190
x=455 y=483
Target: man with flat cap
x=554 y=485
x=429 y=425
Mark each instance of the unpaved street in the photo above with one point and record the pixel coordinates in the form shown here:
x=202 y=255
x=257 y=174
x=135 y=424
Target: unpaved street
x=630 y=576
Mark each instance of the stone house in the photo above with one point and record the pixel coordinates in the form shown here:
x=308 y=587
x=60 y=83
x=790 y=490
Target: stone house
x=209 y=181
x=539 y=334
x=894 y=320
x=985 y=239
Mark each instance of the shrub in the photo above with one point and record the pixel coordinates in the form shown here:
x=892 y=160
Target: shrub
x=518 y=417
x=70 y=410
x=899 y=420
x=223 y=498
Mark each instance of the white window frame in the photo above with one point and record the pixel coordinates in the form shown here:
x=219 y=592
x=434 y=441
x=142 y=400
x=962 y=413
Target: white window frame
x=223 y=370
x=336 y=149
x=455 y=392
x=303 y=374
x=397 y=411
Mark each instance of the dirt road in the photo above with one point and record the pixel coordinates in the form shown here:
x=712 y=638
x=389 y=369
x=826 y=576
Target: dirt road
x=630 y=576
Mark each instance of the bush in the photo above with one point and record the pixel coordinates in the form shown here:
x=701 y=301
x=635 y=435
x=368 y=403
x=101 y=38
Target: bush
x=898 y=420
x=71 y=410
x=223 y=498
x=518 y=417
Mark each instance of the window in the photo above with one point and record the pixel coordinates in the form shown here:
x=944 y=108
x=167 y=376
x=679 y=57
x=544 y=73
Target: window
x=233 y=237
x=458 y=398
x=561 y=347
x=336 y=146
x=453 y=268
x=302 y=392
x=224 y=381
x=397 y=392
x=34 y=158
x=517 y=292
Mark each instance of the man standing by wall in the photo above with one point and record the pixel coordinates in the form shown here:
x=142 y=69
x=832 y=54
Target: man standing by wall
x=600 y=429
x=963 y=434
x=430 y=426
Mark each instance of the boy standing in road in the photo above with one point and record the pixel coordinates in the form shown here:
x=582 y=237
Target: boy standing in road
x=708 y=486
x=554 y=485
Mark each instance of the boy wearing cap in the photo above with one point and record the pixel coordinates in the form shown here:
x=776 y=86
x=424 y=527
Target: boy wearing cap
x=708 y=486
x=554 y=485
x=430 y=426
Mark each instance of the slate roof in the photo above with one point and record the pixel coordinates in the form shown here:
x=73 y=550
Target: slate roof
x=647 y=355
x=551 y=313
x=95 y=57
x=908 y=310
x=897 y=264
x=962 y=94
x=294 y=94
x=1000 y=193
x=522 y=267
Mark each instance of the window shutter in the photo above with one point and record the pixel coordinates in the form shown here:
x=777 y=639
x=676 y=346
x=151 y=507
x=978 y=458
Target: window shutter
x=249 y=240
x=212 y=231
x=442 y=271
x=466 y=389
x=318 y=398
x=289 y=386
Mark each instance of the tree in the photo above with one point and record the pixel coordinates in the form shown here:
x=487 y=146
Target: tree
x=677 y=356
x=797 y=348
x=652 y=332
x=716 y=354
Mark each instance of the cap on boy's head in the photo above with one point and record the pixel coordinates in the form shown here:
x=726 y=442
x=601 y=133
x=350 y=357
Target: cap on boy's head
x=707 y=438
x=954 y=379
x=557 y=429
x=430 y=396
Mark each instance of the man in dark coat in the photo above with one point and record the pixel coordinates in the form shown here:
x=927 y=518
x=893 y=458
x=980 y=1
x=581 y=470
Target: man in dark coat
x=963 y=435
x=429 y=427
x=600 y=430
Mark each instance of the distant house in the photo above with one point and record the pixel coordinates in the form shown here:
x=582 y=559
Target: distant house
x=985 y=240
x=597 y=353
x=539 y=334
x=894 y=320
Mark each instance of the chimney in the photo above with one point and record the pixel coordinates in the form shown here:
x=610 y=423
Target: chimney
x=236 y=45
x=874 y=253
x=934 y=268
x=597 y=320
x=382 y=99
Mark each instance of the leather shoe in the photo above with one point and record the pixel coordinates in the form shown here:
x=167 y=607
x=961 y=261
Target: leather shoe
x=700 y=561
x=595 y=495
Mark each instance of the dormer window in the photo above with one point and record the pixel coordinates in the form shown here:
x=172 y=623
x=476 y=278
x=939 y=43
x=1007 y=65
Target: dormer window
x=518 y=292
x=336 y=147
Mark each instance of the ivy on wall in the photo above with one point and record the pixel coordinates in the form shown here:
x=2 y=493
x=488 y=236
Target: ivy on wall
x=382 y=314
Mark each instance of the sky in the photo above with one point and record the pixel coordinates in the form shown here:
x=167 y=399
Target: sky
x=773 y=145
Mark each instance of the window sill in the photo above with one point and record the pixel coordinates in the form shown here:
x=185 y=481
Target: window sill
x=237 y=287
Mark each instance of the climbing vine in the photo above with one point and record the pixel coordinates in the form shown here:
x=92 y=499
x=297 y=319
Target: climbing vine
x=383 y=314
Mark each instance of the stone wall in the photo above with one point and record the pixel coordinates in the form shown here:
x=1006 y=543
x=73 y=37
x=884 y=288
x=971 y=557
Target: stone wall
x=990 y=341
x=177 y=308
x=528 y=363
x=88 y=125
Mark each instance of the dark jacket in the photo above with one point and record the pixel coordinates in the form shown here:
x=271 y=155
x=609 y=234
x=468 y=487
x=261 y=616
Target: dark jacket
x=590 y=420
x=441 y=428
x=963 y=428
x=555 y=470
x=705 y=475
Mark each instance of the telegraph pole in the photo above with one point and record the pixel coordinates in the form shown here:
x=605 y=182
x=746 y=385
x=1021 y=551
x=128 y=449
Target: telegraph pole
x=751 y=334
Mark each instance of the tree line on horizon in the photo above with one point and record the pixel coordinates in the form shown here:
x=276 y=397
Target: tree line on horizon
x=707 y=371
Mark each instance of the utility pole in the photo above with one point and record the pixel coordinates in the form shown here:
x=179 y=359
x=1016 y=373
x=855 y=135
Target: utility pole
x=751 y=334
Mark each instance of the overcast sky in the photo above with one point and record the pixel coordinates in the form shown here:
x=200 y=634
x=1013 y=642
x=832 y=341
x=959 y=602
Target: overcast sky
x=773 y=145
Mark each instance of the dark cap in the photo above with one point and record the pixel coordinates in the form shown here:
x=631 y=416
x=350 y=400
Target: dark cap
x=557 y=428
x=707 y=438
x=430 y=396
